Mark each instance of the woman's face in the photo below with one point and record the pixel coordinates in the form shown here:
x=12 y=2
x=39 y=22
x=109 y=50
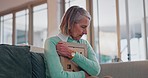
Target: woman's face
x=80 y=28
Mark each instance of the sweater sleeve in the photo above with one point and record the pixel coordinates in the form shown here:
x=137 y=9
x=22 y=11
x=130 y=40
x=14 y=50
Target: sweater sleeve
x=89 y=64
x=54 y=66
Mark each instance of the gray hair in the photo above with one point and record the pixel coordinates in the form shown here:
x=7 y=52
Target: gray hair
x=73 y=15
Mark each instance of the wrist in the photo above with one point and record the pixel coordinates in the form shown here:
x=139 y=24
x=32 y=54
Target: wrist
x=72 y=54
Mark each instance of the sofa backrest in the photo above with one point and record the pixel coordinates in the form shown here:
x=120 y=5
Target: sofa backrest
x=19 y=62
x=133 y=69
x=15 y=62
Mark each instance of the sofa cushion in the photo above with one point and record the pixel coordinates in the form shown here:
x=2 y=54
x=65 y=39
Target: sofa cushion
x=132 y=69
x=15 y=61
x=38 y=66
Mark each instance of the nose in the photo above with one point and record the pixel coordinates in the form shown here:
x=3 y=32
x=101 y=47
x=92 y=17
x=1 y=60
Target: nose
x=85 y=31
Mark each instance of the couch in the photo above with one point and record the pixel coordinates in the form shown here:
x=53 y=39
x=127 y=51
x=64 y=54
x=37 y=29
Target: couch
x=26 y=62
x=132 y=69
x=20 y=62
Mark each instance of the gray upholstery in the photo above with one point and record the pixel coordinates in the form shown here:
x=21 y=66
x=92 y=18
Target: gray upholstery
x=19 y=62
x=134 y=69
x=15 y=62
x=38 y=66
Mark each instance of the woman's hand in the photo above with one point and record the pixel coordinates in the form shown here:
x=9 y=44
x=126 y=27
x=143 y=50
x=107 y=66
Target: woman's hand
x=86 y=75
x=63 y=49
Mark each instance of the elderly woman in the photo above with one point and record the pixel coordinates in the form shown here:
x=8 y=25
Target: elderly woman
x=74 y=25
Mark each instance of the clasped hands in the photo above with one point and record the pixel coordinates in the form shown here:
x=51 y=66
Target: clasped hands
x=63 y=49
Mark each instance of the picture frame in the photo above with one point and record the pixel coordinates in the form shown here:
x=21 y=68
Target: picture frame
x=68 y=64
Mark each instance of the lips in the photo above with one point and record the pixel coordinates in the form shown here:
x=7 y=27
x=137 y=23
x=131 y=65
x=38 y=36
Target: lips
x=81 y=35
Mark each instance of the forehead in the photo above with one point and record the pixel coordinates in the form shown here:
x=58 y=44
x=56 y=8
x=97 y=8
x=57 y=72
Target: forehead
x=85 y=21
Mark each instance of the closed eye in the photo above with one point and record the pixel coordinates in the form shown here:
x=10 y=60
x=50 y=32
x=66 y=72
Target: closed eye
x=83 y=27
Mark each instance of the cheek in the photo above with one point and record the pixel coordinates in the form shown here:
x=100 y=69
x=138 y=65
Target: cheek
x=78 y=31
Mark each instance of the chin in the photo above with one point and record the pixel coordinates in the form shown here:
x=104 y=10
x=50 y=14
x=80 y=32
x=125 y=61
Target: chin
x=77 y=38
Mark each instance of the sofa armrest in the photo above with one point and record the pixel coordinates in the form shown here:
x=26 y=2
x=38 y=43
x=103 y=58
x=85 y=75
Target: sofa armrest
x=133 y=69
x=38 y=66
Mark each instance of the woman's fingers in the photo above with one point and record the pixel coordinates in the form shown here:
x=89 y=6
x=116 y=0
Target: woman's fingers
x=61 y=42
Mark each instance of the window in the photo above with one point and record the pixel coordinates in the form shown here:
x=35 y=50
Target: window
x=6 y=29
x=107 y=30
x=131 y=25
x=136 y=36
x=146 y=9
x=22 y=27
x=39 y=25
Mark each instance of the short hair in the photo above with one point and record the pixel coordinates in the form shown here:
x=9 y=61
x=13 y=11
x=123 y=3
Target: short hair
x=73 y=15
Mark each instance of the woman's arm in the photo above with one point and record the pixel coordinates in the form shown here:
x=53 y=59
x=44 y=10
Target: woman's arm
x=89 y=64
x=53 y=62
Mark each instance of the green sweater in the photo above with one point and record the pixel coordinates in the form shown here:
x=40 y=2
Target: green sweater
x=54 y=68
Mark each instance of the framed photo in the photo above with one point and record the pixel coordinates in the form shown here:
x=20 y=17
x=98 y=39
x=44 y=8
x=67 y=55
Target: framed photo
x=67 y=64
